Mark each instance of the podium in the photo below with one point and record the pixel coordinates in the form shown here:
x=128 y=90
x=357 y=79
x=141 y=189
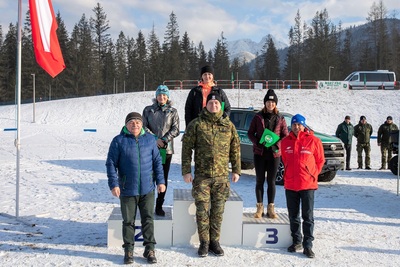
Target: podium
x=162 y=228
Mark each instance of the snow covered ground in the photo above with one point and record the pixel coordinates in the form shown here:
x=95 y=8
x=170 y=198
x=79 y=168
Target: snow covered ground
x=65 y=201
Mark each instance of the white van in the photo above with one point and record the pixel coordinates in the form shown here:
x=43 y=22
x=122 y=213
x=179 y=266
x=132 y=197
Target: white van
x=378 y=79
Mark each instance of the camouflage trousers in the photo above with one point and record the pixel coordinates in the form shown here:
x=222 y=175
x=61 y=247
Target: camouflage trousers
x=210 y=195
x=367 y=149
x=386 y=153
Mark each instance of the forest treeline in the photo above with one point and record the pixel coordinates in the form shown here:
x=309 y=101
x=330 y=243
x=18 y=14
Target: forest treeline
x=97 y=64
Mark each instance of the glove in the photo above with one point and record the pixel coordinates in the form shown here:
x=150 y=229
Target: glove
x=275 y=148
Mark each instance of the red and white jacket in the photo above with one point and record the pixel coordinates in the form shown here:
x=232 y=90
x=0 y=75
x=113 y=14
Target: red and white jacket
x=303 y=158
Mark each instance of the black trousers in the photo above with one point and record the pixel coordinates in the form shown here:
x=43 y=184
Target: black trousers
x=347 y=147
x=305 y=200
x=266 y=163
x=166 y=166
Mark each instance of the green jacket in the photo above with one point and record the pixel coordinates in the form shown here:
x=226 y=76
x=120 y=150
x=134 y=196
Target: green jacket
x=363 y=133
x=345 y=132
x=384 y=133
x=215 y=143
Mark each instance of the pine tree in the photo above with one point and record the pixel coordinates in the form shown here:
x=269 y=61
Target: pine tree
x=171 y=50
x=154 y=76
x=221 y=59
x=121 y=51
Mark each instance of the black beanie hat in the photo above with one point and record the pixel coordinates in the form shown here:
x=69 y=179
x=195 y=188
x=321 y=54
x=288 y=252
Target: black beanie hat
x=214 y=96
x=271 y=96
x=362 y=118
x=133 y=116
x=205 y=69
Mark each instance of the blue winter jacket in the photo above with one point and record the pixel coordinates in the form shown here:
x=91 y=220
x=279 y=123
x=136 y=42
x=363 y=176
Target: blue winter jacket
x=134 y=164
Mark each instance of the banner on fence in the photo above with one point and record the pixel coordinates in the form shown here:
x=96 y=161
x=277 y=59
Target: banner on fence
x=333 y=85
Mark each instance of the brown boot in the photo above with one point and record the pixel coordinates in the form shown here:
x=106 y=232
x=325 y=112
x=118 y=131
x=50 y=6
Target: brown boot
x=260 y=211
x=271 y=211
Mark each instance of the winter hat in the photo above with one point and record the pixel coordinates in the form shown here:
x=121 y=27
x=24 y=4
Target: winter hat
x=214 y=96
x=205 y=69
x=347 y=117
x=271 y=96
x=162 y=89
x=362 y=118
x=299 y=119
x=389 y=118
x=133 y=116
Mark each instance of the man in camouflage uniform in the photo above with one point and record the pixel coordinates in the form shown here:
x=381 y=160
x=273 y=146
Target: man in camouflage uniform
x=215 y=142
x=363 y=131
x=383 y=140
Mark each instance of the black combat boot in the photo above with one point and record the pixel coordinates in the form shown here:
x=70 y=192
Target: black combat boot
x=203 y=249
x=159 y=211
x=128 y=258
x=215 y=248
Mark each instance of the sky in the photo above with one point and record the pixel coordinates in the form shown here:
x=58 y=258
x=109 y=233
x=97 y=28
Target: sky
x=206 y=20
x=65 y=202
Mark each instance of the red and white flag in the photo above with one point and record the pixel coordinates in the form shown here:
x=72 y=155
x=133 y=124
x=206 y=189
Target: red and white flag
x=45 y=42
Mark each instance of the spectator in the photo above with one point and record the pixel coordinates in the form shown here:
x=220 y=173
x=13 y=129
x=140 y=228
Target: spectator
x=215 y=142
x=162 y=120
x=384 y=132
x=197 y=97
x=303 y=157
x=363 y=131
x=133 y=165
x=267 y=156
x=345 y=132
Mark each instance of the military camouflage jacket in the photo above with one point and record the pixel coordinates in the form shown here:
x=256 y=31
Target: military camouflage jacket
x=215 y=143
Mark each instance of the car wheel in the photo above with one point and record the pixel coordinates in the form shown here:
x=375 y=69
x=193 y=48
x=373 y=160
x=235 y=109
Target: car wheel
x=394 y=164
x=279 y=174
x=327 y=176
x=247 y=165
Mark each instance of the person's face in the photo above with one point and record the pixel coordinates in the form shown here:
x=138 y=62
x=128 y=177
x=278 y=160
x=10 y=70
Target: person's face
x=213 y=106
x=207 y=77
x=363 y=121
x=270 y=105
x=389 y=121
x=347 y=121
x=297 y=127
x=134 y=127
x=162 y=99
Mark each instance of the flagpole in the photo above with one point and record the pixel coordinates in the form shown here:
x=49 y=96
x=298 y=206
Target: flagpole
x=18 y=96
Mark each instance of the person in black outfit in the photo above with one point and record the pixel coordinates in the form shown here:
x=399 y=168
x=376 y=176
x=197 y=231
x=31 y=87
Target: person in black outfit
x=197 y=98
x=267 y=159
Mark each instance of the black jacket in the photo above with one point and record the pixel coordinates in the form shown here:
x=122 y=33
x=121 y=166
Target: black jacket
x=194 y=103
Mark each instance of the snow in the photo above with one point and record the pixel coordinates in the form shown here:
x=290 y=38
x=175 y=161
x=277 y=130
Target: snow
x=65 y=201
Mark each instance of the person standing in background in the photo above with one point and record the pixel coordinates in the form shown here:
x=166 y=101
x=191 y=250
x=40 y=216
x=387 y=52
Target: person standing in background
x=363 y=131
x=162 y=120
x=197 y=98
x=345 y=132
x=383 y=137
x=267 y=159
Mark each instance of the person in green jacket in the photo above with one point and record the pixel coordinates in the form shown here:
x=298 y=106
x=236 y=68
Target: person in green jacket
x=363 y=131
x=383 y=140
x=345 y=132
x=215 y=142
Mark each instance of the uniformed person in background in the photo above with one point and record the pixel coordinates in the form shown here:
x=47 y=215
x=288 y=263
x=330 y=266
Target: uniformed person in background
x=363 y=131
x=383 y=140
x=215 y=142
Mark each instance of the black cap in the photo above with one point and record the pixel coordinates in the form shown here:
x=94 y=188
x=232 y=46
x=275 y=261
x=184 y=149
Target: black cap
x=133 y=116
x=207 y=68
x=389 y=118
x=362 y=118
x=347 y=117
x=271 y=96
x=214 y=96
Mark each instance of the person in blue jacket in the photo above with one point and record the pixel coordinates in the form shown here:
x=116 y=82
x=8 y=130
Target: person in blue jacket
x=134 y=165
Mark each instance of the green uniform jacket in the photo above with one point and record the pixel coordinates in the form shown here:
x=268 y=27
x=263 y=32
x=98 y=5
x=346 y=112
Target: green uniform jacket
x=215 y=143
x=345 y=132
x=363 y=133
x=384 y=133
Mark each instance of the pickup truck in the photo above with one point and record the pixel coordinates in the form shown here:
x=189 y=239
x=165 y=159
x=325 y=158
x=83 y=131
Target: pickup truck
x=333 y=146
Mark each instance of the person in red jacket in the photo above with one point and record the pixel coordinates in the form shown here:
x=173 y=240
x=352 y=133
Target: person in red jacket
x=303 y=158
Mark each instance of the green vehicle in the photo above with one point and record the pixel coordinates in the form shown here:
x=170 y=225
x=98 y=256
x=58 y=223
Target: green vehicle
x=333 y=147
